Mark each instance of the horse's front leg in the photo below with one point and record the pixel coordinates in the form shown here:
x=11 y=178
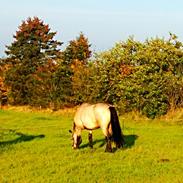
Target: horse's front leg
x=90 y=138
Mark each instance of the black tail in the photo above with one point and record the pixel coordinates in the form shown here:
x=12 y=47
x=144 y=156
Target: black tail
x=116 y=129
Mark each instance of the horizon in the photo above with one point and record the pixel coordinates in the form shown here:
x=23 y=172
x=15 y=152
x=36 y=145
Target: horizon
x=103 y=22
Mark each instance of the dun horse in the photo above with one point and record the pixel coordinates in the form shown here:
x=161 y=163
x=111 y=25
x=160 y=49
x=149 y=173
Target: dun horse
x=95 y=116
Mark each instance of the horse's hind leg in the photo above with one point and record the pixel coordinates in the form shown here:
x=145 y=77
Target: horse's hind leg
x=107 y=135
x=108 y=144
x=90 y=138
x=108 y=141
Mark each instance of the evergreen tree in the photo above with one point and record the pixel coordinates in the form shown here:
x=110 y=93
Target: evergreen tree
x=33 y=47
x=77 y=50
x=68 y=76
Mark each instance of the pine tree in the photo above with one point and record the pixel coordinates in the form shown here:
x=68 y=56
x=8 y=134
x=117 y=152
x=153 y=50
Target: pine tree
x=33 y=47
x=68 y=76
x=77 y=50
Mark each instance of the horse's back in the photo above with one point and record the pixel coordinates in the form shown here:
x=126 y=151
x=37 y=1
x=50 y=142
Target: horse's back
x=92 y=116
x=102 y=114
x=84 y=117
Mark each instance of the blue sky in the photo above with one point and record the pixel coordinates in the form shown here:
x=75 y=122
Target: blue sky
x=104 y=22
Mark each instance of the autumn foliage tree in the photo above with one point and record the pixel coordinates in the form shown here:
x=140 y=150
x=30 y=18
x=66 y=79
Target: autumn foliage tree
x=3 y=88
x=32 y=48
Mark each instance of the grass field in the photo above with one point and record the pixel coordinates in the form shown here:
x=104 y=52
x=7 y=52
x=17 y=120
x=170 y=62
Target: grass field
x=35 y=147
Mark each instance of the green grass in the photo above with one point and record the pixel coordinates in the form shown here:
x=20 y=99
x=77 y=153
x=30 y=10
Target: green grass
x=36 y=147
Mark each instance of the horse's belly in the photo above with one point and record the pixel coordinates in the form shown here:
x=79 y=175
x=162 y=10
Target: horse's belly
x=89 y=122
x=85 y=118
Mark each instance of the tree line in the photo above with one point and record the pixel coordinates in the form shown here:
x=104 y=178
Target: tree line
x=142 y=76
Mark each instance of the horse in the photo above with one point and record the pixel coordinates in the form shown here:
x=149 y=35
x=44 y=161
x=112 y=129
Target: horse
x=94 y=116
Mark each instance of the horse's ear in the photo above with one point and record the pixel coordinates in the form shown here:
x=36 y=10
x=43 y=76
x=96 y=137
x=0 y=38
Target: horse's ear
x=70 y=131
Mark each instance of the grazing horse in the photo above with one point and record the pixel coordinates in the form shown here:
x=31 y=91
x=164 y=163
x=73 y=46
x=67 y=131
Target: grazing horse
x=95 y=116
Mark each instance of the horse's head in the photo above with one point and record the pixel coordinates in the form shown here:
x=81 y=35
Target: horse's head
x=76 y=139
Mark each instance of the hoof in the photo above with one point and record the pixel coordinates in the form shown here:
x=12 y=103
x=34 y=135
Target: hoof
x=108 y=150
x=91 y=146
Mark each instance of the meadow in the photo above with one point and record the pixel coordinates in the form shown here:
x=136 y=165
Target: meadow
x=36 y=147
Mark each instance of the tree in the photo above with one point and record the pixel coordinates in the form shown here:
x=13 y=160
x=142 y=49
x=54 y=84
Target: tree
x=68 y=76
x=146 y=77
x=78 y=49
x=32 y=48
x=3 y=88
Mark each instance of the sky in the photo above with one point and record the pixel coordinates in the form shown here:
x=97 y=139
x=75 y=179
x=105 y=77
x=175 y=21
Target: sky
x=104 y=22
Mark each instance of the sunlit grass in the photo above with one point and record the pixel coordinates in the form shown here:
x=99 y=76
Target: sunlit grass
x=36 y=147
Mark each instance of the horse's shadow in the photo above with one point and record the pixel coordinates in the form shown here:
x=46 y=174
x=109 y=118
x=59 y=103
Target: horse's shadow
x=21 y=138
x=101 y=141
x=129 y=142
